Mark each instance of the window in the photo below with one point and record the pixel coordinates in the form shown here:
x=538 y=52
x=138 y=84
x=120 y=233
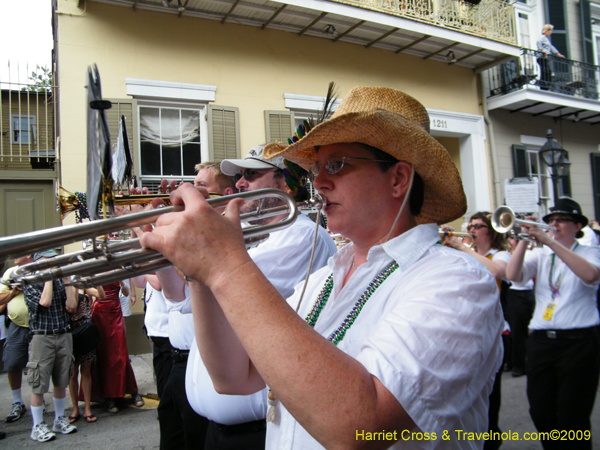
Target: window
x=23 y=129
x=527 y=162
x=170 y=142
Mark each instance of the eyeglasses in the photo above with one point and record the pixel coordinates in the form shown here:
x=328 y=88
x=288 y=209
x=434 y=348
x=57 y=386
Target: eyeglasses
x=334 y=164
x=476 y=226
x=560 y=219
x=248 y=174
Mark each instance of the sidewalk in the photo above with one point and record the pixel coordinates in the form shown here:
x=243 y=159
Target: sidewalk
x=130 y=428
x=137 y=428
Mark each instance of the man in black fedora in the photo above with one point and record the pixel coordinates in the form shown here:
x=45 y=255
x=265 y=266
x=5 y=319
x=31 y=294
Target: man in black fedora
x=563 y=350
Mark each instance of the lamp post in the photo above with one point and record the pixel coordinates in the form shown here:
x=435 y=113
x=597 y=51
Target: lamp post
x=556 y=158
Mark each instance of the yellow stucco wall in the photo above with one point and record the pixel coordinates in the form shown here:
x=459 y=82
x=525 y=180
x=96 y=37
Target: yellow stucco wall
x=252 y=69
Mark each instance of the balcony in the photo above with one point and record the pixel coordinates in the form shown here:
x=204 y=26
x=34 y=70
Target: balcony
x=491 y=19
x=27 y=127
x=552 y=86
x=477 y=37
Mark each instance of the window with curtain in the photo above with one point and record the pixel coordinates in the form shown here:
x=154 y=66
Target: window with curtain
x=170 y=141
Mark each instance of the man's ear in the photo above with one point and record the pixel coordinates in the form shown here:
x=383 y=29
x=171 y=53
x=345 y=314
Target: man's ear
x=228 y=191
x=401 y=174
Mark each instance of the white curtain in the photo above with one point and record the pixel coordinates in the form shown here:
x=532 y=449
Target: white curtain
x=169 y=129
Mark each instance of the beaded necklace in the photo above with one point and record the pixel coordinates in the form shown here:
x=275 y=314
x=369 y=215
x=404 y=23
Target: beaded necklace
x=340 y=332
x=555 y=285
x=323 y=297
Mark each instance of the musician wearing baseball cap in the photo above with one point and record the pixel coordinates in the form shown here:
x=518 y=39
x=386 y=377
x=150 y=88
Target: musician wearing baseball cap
x=396 y=335
x=563 y=349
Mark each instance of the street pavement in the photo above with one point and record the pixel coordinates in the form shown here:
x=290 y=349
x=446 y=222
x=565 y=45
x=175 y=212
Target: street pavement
x=137 y=428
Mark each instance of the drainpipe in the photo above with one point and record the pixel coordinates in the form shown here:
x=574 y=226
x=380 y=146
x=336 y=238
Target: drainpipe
x=492 y=149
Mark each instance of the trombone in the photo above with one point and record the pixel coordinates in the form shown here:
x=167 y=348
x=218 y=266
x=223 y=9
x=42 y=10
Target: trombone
x=106 y=262
x=504 y=219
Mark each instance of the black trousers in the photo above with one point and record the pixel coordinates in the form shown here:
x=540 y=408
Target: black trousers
x=546 y=73
x=162 y=362
x=520 y=306
x=180 y=426
x=562 y=379
x=247 y=436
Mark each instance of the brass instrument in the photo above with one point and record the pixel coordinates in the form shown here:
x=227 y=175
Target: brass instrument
x=504 y=219
x=454 y=233
x=106 y=262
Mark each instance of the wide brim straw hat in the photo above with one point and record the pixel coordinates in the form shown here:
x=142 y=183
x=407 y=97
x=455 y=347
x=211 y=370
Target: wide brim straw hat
x=397 y=124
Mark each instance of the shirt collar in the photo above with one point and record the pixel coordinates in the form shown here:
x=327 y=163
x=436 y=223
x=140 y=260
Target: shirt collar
x=404 y=249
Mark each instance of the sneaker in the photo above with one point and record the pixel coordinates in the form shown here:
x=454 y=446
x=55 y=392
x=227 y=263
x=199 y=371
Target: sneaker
x=62 y=425
x=41 y=433
x=138 y=400
x=111 y=406
x=17 y=410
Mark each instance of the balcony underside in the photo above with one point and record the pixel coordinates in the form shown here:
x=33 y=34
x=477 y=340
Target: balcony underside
x=451 y=32
x=533 y=101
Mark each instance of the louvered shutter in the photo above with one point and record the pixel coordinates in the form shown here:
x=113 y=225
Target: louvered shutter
x=520 y=162
x=556 y=14
x=223 y=132
x=120 y=107
x=279 y=126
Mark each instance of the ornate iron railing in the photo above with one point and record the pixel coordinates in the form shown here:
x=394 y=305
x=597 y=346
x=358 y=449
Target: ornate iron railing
x=554 y=74
x=491 y=19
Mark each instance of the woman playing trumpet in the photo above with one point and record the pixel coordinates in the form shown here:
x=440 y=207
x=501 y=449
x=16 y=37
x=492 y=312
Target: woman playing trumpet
x=491 y=248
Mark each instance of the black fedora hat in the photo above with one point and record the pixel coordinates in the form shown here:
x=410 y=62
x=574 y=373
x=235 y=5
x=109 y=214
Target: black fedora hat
x=566 y=205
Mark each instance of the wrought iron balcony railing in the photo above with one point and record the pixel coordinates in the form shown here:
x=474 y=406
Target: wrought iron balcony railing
x=534 y=71
x=491 y=19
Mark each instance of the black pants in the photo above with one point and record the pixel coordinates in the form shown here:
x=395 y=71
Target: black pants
x=562 y=379
x=247 y=436
x=520 y=311
x=546 y=73
x=162 y=362
x=180 y=426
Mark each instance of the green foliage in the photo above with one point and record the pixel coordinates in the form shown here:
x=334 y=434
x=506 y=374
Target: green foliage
x=40 y=80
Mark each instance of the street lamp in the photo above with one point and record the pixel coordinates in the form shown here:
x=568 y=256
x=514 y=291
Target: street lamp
x=556 y=158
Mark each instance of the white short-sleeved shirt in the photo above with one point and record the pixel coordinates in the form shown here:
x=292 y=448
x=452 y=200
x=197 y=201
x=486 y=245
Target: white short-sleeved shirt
x=284 y=259
x=156 y=319
x=181 y=322
x=431 y=333
x=576 y=303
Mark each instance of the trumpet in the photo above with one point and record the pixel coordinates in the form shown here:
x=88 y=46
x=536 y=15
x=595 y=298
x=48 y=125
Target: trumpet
x=105 y=262
x=454 y=233
x=504 y=220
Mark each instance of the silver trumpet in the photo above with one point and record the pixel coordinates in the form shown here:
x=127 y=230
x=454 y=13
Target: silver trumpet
x=108 y=261
x=504 y=220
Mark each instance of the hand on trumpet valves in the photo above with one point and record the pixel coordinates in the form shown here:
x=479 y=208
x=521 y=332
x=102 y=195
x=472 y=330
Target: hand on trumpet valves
x=204 y=244
x=449 y=240
x=539 y=234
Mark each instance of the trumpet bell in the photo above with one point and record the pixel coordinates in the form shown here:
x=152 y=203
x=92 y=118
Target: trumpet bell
x=503 y=219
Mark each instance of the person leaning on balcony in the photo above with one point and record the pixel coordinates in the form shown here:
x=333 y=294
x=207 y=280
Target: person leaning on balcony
x=546 y=48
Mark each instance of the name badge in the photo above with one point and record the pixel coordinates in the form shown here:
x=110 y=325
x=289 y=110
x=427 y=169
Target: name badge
x=549 y=311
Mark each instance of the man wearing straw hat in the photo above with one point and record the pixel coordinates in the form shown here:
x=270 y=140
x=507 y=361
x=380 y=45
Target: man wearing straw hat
x=415 y=326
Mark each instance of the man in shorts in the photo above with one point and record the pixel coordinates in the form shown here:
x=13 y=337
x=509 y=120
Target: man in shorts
x=50 y=351
x=14 y=355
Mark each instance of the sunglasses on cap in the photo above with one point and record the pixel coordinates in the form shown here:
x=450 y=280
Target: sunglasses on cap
x=334 y=164
x=248 y=174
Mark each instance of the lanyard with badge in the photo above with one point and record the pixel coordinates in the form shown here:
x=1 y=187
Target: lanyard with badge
x=554 y=287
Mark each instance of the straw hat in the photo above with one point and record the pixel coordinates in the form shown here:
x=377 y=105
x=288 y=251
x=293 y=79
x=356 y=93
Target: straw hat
x=397 y=124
